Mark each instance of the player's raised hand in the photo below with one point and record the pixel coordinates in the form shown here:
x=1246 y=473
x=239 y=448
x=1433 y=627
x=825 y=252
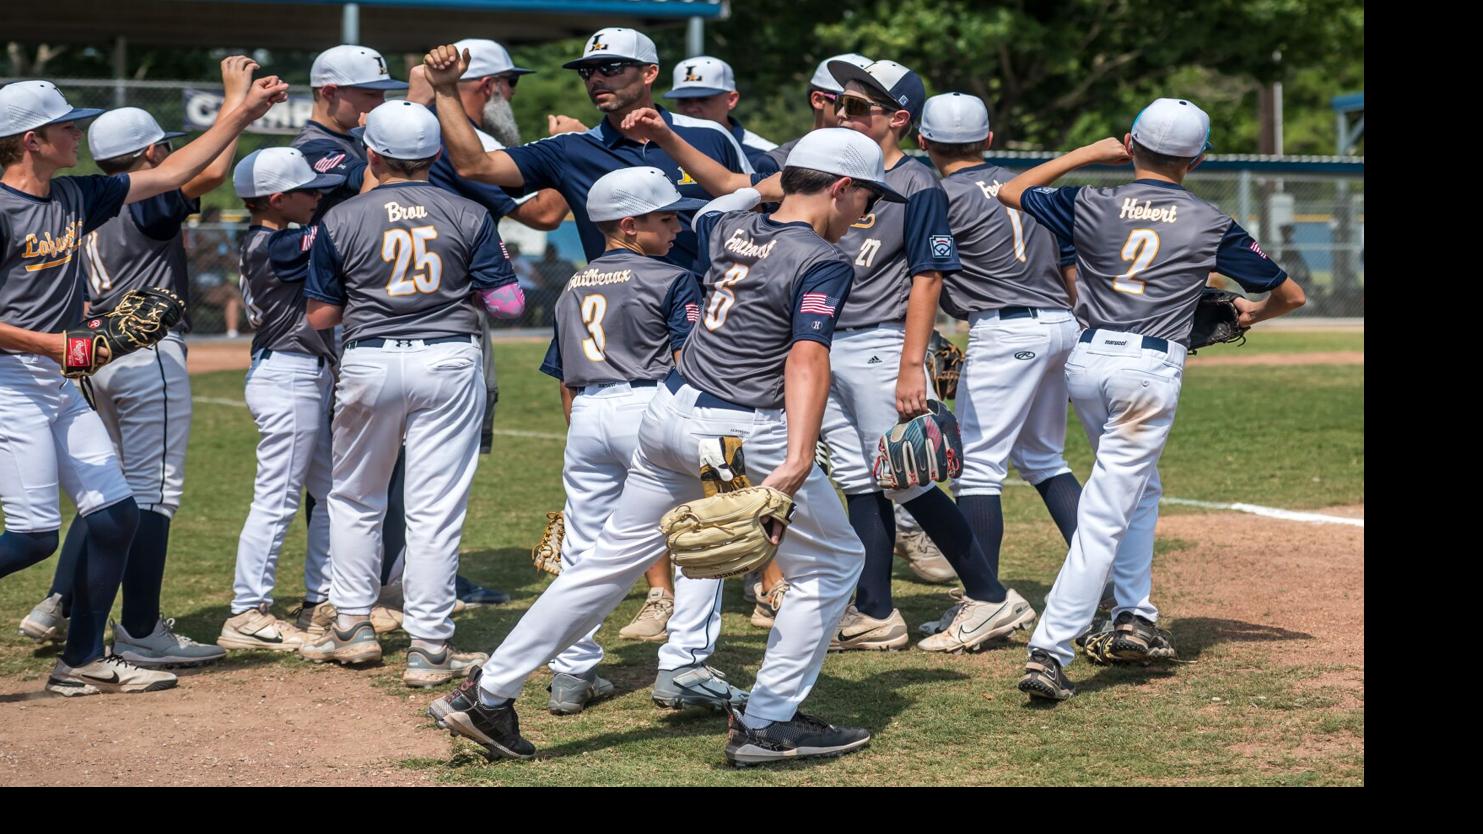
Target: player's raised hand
x=236 y=78
x=1108 y=151
x=262 y=94
x=645 y=125
x=444 y=65
x=563 y=124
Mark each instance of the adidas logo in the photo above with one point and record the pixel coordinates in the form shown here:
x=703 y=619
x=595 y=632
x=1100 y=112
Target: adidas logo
x=874 y=360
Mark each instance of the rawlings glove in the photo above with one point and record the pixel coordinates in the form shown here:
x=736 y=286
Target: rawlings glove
x=547 y=554
x=920 y=451
x=725 y=534
x=139 y=320
x=944 y=365
x=1127 y=641
x=1216 y=320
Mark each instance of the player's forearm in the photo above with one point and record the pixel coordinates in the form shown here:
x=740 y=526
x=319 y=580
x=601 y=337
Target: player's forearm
x=1068 y=275
x=567 y=395
x=1043 y=174
x=714 y=177
x=805 y=392
x=186 y=164
x=921 y=315
x=322 y=316
x=544 y=211
x=20 y=340
x=1283 y=299
x=465 y=150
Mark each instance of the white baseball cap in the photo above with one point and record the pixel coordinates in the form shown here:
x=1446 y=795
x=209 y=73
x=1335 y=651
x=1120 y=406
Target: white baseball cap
x=955 y=118
x=702 y=76
x=270 y=170
x=630 y=192
x=27 y=105
x=824 y=79
x=888 y=80
x=403 y=130
x=616 y=44
x=348 y=65
x=487 y=58
x=124 y=131
x=1173 y=127
x=847 y=153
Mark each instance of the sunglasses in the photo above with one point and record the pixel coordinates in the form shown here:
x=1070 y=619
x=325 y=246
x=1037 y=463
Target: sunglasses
x=512 y=79
x=606 y=70
x=858 y=107
x=875 y=197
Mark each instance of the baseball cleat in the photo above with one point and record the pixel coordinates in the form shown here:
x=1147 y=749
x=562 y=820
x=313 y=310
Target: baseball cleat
x=940 y=624
x=1137 y=640
x=106 y=674
x=350 y=648
x=460 y=699
x=314 y=618
x=496 y=729
x=650 y=624
x=570 y=694
x=804 y=737
x=696 y=686
x=425 y=668
x=255 y=628
x=923 y=557
x=1044 y=678
x=45 y=623
x=470 y=592
x=976 y=623
x=859 y=632
x=163 y=647
x=765 y=612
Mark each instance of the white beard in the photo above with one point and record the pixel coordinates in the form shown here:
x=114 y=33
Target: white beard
x=499 y=120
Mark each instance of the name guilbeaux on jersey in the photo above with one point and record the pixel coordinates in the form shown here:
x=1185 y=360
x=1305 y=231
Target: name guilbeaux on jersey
x=594 y=278
x=1133 y=210
x=396 y=211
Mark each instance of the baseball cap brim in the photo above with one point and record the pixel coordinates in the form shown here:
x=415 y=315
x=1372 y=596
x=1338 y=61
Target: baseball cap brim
x=322 y=182
x=76 y=114
x=888 y=193
x=694 y=92
x=683 y=204
x=582 y=62
x=844 y=72
x=172 y=134
x=382 y=84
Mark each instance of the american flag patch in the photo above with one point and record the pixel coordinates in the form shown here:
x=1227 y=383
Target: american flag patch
x=1257 y=249
x=308 y=242
x=503 y=250
x=817 y=304
x=692 y=313
x=329 y=162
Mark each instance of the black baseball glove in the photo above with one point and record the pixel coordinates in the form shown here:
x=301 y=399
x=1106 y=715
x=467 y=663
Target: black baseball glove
x=139 y=320
x=1216 y=320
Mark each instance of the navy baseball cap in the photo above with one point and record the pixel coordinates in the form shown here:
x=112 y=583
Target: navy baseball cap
x=887 y=81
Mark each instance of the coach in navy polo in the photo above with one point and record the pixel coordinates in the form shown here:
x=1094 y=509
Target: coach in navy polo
x=619 y=67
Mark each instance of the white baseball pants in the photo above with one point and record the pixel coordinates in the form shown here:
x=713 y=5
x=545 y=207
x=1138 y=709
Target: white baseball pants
x=144 y=400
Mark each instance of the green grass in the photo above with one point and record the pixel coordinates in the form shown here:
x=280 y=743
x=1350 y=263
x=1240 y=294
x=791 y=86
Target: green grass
x=1264 y=340
x=1288 y=437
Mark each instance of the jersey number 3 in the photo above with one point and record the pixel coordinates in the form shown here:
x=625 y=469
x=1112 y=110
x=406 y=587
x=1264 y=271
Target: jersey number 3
x=1140 y=248
x=403 y=248
x=594 y=307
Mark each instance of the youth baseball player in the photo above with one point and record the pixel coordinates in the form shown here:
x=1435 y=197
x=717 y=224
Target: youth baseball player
x=705 y=88
x=757 y=369
x=50 y=437
x=1144 y=251
x=405 y=268
x=288 y=393
x=822 y=91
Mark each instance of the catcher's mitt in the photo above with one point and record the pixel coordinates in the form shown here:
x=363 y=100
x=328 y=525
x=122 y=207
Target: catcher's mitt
x=1216 y=320
x=922 y=450
x=547 y=554
x=945 y=364
x=139 y=320
x=1127 y=642
x=725 y=535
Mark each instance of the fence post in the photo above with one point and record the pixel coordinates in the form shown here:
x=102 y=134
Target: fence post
x=120 y=71
x=1243 y=197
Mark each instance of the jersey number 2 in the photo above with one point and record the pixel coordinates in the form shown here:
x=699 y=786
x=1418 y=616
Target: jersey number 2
x=722 y=297
x=408 y=247
x=1140 y=248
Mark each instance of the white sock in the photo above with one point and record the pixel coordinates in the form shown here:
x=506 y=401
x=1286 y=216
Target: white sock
x=429 y=646
x=345 y=622
x=754 y=723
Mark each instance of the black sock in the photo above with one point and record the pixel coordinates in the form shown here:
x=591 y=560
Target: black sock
x=19 y=551
x=985 y=515
x=394 y=527
x=944 y=524
x=145 y=574
x=875 y=523
x=100 y=568
x=61 y=581
x=1061 y=495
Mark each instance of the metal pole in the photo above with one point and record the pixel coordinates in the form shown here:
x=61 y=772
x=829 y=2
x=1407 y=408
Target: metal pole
x=120 y=71
x=350 y=24
x=1243 y=197
x=695 y=37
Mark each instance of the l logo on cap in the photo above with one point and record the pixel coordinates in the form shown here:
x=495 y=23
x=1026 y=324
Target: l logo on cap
x=381 y=65
x=597 y=43
x=690 y=73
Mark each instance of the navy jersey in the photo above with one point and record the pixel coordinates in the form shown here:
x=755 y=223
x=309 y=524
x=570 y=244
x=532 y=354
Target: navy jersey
x=331 y=152
x=572 y=162
x=895 y=242
x=141 y=247
x=1144 y=251
x=403 y=260
x=756 y=148
x=445 y=176
x=274 y=265
x=1009 y=259
x=767 y=285
x=41 y=277
x=621 y=319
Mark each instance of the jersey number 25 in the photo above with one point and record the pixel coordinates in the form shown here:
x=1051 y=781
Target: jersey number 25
x=403 y=248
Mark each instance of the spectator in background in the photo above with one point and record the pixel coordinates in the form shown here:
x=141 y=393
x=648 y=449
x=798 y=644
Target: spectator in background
x=214 y=274
x=554 y=270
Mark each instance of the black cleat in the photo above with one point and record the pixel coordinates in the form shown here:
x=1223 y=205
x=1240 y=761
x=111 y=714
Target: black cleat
x=1045 y=679
x=803 y=737
x=1137 y=640
x=459 y=700
x=496 y=729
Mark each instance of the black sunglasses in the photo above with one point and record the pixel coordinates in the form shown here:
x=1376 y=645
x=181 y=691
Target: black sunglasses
x=607 y=69
x=857 y=107
x=512 y=79
x=875 y=197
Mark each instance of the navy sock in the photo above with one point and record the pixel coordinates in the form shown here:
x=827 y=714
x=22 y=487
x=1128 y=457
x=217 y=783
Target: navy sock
x=944 y=524
x=985 y=516
x=145 y=574
x=100 y=568
x=61 y=581
x=394 y=528
x=1061 y=495
x=19 y=551
x=875 y=523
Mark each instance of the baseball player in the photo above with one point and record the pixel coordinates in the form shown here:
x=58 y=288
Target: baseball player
x=1011 y=403
x=705 y=88
x=774 y=287
x=822 y=91
x=288 y=393
x=1144 y=251
x=397 y=266
x=51 y=438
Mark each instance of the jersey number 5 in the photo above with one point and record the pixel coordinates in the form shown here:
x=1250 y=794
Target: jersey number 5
x=408 y=247
x=1140 y=248
x=722 y=297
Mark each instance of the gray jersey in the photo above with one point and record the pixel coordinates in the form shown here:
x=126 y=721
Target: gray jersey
x=1009 y=259
x=274 y=265
x=621 y=319
x=780 y=153
x=141 y=247
x=1145 y=250
x=895 y=242
x=331 y=152
x=403 y=260
x=767 y=285
x=41 y=278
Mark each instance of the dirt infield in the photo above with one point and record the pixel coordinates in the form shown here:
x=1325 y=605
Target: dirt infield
x=1337 y=357
x=203 y=357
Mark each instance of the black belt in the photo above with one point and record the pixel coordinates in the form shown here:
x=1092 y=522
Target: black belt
x=380 y=342
x=1018 y=313
x=266 y=352
x=1149 y=342
x=705 y=400
x=638 y=383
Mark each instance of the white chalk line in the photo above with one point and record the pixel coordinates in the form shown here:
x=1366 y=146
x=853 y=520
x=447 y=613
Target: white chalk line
x=536 y=435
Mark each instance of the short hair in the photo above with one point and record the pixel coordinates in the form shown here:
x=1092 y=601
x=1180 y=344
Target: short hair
x=11 y=150
x=256 y=203
x=1174 y=166
x=119 y=164
x=798 y=180
x=957 y=148
x=408 y=167
x=609 y=228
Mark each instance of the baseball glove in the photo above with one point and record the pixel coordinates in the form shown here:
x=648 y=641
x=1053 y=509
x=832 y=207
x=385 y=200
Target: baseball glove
x=920 y=451
x=547 y=554
x=1216 y=320
x=140 y=320
x=725 y=535
x=1127 y=642
x=945 y=364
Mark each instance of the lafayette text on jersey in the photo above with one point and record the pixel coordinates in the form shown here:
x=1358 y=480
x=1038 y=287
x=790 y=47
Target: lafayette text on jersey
x=141 y=247
x=274 y=265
